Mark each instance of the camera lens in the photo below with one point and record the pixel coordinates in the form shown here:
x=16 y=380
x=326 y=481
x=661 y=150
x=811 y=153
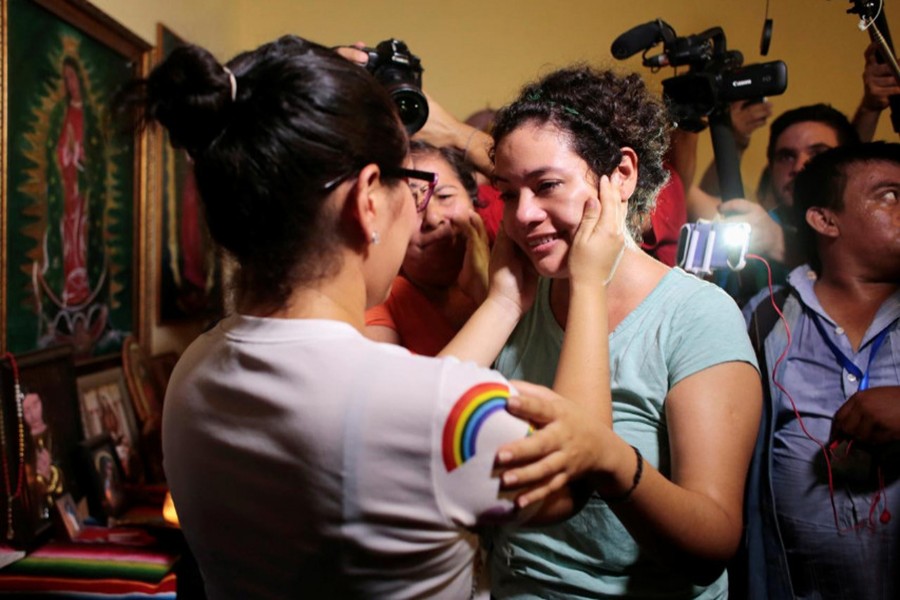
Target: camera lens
x=413 y=108
x=400 y=72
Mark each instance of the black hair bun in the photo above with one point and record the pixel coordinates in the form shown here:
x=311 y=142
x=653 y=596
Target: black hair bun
x=190 y=94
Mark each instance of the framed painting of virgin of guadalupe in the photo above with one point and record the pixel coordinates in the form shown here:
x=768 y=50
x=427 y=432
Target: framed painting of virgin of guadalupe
x=73 y=190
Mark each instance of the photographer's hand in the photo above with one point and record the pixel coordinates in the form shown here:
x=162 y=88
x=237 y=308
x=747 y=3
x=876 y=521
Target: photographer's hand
x=879 y=81
x=354 y=53
x=879 y=84
x=443 y=129
x=766 y=236
x=747 y=117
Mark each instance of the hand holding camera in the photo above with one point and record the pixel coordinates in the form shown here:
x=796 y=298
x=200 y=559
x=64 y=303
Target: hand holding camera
x=768 y=236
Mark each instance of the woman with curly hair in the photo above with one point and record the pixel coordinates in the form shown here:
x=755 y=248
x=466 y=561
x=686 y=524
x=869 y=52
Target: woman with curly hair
x=665 y=515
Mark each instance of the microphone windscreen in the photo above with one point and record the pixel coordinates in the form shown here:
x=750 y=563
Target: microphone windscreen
x=636 y=39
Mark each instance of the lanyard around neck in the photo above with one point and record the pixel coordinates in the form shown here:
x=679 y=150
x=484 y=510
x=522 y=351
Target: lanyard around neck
x=845 y=362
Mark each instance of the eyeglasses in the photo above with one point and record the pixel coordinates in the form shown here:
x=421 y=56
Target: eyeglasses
x=421 y=193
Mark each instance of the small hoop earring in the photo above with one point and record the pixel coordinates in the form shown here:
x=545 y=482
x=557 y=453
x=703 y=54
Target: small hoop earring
x=376 y=239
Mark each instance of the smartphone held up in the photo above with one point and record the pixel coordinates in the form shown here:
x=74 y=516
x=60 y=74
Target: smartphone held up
x=706 y=246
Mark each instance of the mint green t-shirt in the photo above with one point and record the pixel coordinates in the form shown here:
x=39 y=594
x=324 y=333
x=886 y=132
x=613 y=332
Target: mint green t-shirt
x=684 y=325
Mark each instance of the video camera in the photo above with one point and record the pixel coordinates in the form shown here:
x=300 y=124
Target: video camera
x=715 y=76
x=400 y=72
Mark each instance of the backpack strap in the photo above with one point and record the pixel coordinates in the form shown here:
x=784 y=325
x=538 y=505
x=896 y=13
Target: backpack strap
x=763 y=321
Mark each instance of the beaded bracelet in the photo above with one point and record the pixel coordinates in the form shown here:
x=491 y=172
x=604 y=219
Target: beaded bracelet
x=637 y=479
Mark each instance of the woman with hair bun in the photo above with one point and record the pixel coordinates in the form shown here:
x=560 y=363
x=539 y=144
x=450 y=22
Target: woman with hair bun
x=303 y=458
x=667 y=509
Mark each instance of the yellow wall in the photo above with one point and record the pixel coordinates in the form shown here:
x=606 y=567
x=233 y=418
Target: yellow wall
x=210 y=23
x=478 y=52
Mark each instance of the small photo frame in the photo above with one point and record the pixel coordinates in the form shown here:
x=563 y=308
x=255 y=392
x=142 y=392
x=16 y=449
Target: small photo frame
x=105 y=406
x=107 y=498
x=70 y=516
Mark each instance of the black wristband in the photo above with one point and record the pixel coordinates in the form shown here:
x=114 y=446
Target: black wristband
x=637 y=479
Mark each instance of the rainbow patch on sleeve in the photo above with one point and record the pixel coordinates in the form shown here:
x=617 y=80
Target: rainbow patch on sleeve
x=466 y=419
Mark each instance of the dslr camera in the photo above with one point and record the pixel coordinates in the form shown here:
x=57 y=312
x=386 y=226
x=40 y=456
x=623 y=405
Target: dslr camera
x=400 y=72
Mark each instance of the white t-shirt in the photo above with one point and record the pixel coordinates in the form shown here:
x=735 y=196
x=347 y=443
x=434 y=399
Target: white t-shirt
x=308 y=461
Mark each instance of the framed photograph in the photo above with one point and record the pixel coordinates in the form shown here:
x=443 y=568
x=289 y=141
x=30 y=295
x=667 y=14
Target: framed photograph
x=105 y=406
x=107 y=496
x=73 y=193
x=41 y=427
x=68 y=515
x=190 y=277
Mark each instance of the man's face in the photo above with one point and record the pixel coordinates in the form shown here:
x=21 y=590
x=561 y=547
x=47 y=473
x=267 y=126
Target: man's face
x=793 y=149
x=869 y=222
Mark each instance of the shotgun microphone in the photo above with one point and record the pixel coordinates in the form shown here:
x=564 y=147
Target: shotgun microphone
x=638 y=38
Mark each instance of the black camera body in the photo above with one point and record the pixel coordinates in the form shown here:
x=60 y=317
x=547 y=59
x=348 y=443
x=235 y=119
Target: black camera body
x=716 y=75
x=400 y=72
x=694 y=95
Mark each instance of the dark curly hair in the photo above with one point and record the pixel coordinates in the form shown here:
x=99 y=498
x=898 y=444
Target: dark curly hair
x=602 y=112
x=267 y=153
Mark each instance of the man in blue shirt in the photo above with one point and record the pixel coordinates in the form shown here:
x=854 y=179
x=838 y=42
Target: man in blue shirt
x=823 y=499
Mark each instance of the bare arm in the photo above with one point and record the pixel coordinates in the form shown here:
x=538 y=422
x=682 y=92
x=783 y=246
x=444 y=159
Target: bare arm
x=682 y=156
x=474 y=276
x=693 y=520
x=380 y=333
x=766 y=236
x=443 y=129
x=513 y=283
x=696 y=518
x=879 y=84
x=583 y=369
